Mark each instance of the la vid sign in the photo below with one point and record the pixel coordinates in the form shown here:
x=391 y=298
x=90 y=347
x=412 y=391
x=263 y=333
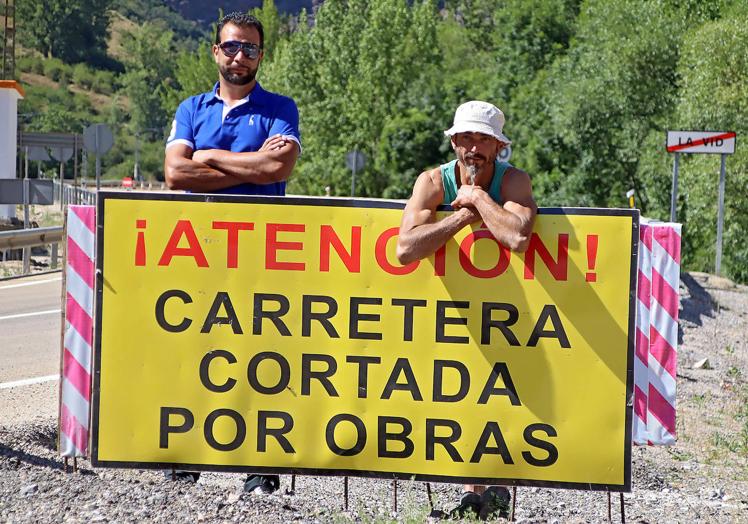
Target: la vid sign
x=715 y=142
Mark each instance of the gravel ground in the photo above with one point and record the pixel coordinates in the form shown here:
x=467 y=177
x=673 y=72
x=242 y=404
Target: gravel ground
x=704 y=478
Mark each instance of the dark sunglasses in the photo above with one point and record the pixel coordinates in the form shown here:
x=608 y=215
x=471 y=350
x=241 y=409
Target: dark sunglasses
x=232 y=47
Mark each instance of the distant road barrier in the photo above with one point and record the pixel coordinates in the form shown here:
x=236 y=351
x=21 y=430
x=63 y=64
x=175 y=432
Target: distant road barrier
x=74 y=195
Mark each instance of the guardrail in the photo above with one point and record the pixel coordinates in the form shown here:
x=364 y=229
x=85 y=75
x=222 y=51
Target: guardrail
x=38 y=236
x=74 y=195
x=26 y=239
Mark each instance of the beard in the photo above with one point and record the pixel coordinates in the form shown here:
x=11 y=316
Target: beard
x=236 y=78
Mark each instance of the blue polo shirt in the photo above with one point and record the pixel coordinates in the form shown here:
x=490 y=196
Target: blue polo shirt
x=205 y=122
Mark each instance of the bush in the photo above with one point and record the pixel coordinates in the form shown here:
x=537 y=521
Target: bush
x=30 y=64
x=103 y=82
x=65 y=76
x=53 y=68
x=83 y=76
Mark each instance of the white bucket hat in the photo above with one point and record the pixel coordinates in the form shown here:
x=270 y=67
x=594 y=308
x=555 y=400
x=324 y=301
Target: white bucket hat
x=479 y=117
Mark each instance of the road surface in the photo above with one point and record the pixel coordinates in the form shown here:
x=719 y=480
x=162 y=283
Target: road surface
x=30 y=324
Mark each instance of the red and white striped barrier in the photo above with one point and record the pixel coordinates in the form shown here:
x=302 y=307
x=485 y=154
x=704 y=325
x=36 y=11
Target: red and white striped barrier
x=77 y=351
x=656 y=333
x=654 y=362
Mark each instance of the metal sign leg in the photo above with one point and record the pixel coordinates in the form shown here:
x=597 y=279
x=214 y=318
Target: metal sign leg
x=674 y=191
x=394 y=496
x=720 y=217
x=345 y=493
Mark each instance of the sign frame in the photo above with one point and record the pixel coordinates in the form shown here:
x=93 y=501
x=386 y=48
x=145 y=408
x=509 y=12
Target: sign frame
x=105 y=196
x=702 y=139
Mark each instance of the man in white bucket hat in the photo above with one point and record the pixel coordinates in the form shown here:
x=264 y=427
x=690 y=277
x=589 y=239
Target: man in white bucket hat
x=479 y=187
x=476 y=184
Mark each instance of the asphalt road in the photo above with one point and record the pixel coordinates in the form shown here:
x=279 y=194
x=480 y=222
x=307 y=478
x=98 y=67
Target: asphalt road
x=30 y=324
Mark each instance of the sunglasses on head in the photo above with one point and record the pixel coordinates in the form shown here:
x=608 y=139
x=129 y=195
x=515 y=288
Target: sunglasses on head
x=232 y=47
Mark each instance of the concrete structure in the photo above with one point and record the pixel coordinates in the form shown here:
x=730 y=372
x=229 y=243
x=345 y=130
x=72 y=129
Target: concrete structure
x=10 y=92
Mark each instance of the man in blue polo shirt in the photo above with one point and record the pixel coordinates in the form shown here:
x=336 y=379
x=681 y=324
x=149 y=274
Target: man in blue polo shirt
x=236 y=139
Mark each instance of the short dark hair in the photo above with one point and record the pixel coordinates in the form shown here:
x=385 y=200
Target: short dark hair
x=241 y=20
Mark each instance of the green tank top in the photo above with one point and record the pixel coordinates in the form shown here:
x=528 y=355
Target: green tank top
x=449 y=181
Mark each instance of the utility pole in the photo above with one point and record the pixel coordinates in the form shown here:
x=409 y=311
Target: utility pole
x=8 y=13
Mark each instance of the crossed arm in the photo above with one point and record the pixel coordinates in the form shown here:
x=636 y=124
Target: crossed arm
x=214 y=169
x=511 y=224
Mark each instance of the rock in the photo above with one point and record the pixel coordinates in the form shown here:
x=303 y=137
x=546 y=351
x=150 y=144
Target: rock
x=234 y=498
x=702 y=364
x=29 y=490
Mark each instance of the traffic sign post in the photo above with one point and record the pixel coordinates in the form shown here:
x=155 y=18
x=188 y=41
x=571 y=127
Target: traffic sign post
x=702 y=142
x=62 y=155
x=355 y=160
x=98 y=139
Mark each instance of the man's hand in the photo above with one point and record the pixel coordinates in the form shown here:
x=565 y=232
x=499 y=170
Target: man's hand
x=466 y=197
x=274 y=142
x=420 y=233
x=202 y=156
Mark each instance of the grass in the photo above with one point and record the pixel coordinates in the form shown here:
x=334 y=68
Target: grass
x=736 y=442
x=679 y=454
x=700 y=400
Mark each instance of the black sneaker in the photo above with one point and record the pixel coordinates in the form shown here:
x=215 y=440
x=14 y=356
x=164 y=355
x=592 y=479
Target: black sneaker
x=469 y=506
x=262 y=483
x=182 y=476
x=494 y=503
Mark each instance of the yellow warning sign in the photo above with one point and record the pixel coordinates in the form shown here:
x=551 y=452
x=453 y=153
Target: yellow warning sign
x=282 y=334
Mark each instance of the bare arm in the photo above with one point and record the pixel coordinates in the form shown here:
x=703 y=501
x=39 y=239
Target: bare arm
x=182 y=172
x=420 y=234
x=511 y=224
x=212 y=169
x=272 y=163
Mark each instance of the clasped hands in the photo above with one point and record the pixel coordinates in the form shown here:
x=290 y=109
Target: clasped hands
x=465 y=202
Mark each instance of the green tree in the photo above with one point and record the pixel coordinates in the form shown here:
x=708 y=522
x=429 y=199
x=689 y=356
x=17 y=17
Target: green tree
x=144 y=74
x=194 y=72
x=271 y=25
x=600 y=101
x=350 y=74
x=714 y=94
x=72 y=30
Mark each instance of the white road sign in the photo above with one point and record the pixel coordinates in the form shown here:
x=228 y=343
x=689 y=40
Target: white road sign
x=715 y=142
x=505 y=154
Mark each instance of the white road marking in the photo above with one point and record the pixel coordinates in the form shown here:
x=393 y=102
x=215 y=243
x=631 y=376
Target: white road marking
x=28 y=381
x=34 y=314
x=31 y=283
